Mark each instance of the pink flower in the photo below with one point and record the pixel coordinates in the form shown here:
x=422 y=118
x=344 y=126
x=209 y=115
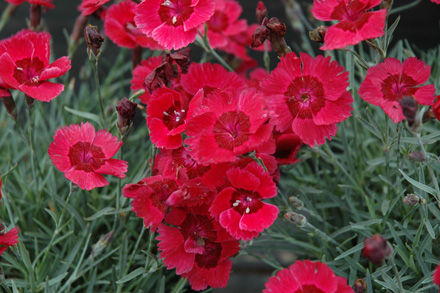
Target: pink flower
x=24 y=65
x=141 y=72
x=46 y=3
x=435 y=1
x=436 y=276
x=120 y=27
x=89 y=6
x=307 y=276
x=355 y=23
x=388 y=82
x=309 y=96
x=84 y=155
x=7 y=239
x=173 y=23
x=227 y=125
x=166 y=113
x=198 y=247
x=239 y=208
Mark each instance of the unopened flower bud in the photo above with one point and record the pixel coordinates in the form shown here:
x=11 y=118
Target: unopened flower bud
x=297 y=219
x=93 y=40
x=385 y=4
x=409 y=108
x=2 y=228
x=376 y=248
x=126 y=111
x=296 y=203
x=360 y=286
x=411 y=200
x=261 y=12
x=102 y=243
x=8 y=102
x=416 y=156
x=35 y=17
x=318 y=34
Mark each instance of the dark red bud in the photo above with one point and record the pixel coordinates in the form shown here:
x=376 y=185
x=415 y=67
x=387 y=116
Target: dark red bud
x=360 y=286
x=126 y=112
x=318 y=34
x=416 y=156
x=409 y=109
x=376 y=248
x=8 y=102
x=261 y=12
x=93 y=39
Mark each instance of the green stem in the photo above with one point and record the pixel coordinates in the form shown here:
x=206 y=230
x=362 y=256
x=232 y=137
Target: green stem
x=179 y=286
x=204 y=43
x=6 y=15
x=34 y=159
x=98 y=88
x=399 y=282
x=359 y=57
x=404 y=7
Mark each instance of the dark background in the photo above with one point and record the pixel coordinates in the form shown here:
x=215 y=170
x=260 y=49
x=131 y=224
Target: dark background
x=419 y=25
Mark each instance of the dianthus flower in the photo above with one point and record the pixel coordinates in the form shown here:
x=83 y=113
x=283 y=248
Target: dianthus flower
x=307 y=276
x=239 y=208
x=120 y=27
x=166 y=113
x=355 y=23
x=227 y=125
x=436 y=276
x=435 y=1
x=24 y=65
x=198 y=247
x=173 y=23
x=46 y=3
x=388 y=82
x=9 y=238
x=87 y=7
x=309 y=96
x=84 y=155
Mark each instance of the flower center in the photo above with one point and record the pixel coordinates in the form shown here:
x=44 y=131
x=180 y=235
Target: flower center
x=174 y=116
x=231 y=129
x=304 y=93
x=175 y=12
x=86 y=157
x=218 y=22
x=394 y=87
x=28 y=71
x=245 y=201
x=309 y=289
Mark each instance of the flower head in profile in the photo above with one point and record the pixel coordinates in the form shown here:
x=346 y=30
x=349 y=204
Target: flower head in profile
x=120 y=27
x=24 y=65
x=307 y=276
x=239 y=208
x=309 y=95
x=356 y=22
x=84 y=155
x=387 y=83
x=173 y=23
x=87 y=7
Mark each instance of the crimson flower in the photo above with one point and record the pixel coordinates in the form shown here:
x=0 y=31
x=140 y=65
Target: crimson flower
x=84 y=155
x=239 y=208
x=198 y=247
x=227 y=125
x=173 y=23
x=435 y=1
x=436 y=276
x=309 y=95
x=376 y=248
x=120 y=27
x=46 y=3
x=149 y=198
x=24 y=65
x=307 y=276
x=9 y=238
x=141 y=72
x=355 y=23
x=87 y=7
x=388 y=82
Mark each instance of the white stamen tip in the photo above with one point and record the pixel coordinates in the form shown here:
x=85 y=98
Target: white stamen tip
x=165 y=113
x=19 y=68
x=174 y=19
x=248 y=198
x=248 y=210
x=167 y=3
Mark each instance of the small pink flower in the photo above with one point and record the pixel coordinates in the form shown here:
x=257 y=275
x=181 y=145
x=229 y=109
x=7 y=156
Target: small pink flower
x=239 y=208
x=173 y=23
x=355 y=23
x=435 y=1
x=7 y=239
x=24 y=65
x=388 y=82
x=120 y=27
x=89 y=6
x=84 y=155
x=307 y=276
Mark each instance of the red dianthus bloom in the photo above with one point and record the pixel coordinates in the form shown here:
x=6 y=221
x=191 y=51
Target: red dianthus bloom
x=388 y=82
x=307 y=276
x=198 y=247
x=173 y=23
x=89 y=6
x=436 y=276
x=239 y=208
x=46 y=3
x=7 y=239
x=355 y=23
x=141 y=72
x=227 y=125
x=120 y=27
x=84 y=155
x=435 y=1
x=24 y=65
x=309 y=95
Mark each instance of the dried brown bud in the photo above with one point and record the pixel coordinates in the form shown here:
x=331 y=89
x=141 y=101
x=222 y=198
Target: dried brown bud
x=181 y=57
x=386 y=4
x=261 y=34
x=126 y=112
x=261 y=12
x=360 y=286
x=8 y=102
x=296 y=203
x=416 y=156
x=297 y=219
x=409 y=109
x=376 y=248
x=2 y=228
x=318 y=34
x=411 y=200
x=274 y=30
x=93 y=40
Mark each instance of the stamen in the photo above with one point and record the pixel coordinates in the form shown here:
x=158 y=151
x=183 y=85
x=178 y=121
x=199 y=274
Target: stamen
x=248 y=198
x=236 y=203
x=248 y=210
x=174 y=19
x=167 y=3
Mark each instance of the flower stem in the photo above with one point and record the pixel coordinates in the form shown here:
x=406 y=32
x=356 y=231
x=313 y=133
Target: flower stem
x=6 y=15
x=204 y=43
x=399 y=282
x=98 y=88
x=34 y=159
